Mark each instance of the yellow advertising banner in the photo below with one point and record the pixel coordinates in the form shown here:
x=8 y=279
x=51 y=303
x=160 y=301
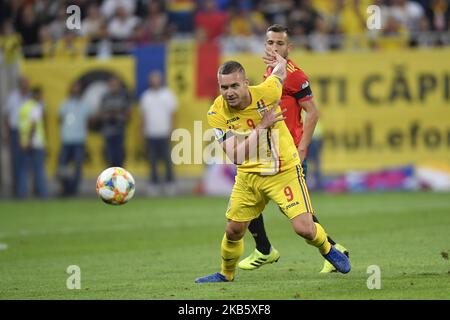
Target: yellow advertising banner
x=55 y=77
x=378 y=109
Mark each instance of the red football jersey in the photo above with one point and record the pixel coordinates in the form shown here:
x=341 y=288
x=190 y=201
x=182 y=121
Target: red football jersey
x=296 y=88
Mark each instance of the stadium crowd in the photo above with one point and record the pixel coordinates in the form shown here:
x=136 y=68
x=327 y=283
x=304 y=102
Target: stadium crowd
x=37 y=28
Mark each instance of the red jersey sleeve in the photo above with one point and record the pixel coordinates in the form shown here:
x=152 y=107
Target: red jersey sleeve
x=297 y=85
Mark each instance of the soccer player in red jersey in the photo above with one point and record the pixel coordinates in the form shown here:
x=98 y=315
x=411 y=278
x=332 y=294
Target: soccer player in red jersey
x=297 y=95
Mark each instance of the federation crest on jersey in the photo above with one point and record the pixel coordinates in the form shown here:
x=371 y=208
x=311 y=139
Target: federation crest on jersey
x=305 y=85
x=261 y=107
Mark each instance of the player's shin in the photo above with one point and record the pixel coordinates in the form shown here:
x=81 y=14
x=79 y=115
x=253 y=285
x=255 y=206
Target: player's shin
x=320 y=241
x=331 y=241
x=231 y=252
x=256 y=227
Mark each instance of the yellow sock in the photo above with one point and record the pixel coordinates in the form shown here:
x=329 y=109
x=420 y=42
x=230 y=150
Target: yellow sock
x=231 y=252
x=321 y=240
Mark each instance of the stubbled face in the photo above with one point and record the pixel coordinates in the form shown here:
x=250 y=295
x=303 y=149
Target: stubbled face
x=234 y=88
x=278 y=41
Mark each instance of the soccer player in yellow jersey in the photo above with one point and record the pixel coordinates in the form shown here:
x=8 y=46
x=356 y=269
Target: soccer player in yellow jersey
x=268 y=165
x=297 y=96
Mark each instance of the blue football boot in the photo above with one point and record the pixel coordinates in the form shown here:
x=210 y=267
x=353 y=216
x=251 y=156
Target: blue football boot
x=338 y=259
x=216 y=277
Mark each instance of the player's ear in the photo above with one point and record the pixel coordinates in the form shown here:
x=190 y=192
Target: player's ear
x=290 y=46
x=246 y=82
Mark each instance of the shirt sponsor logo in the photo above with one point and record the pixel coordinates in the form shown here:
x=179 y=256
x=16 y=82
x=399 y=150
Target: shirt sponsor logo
x=232 y=120
x=293 y=204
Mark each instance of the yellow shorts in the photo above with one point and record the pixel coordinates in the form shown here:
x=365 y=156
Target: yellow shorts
x=252 y=191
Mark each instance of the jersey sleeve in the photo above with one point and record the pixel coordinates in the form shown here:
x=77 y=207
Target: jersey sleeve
x=271 y=89
x=218 y=123
x=297 y=84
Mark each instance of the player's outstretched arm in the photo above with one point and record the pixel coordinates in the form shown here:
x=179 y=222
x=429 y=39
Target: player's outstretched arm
x=277 y=62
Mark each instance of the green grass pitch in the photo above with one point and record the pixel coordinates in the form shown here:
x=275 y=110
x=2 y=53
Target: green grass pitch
x=155 y=248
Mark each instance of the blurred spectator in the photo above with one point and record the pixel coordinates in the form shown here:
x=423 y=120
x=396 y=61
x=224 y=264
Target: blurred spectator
x=5 y=11
x=258 y=22
x=394 y=35
x=155 y=27
x=349 y=17
x=223 y=5
x=348 y=23
x=319 y=39
x=294 y=23
x=158 y=105
x=113 y=115
x=408 y=14
x=240 y=24
x=140 y=37
x=438 y=15
x=121 y=29
x=209 y=22
x=101 y=45
x=11 y=122
x=303 y=18
x=73 y=115
x=181 y=15
x=92 y=23
x=122 y=25
x=245 y=30
x=425 y=38
x=57 y=28
x=141 y=7
x=10 y=51
x=32 y=146
x=70 y=46
x=277 y=12
x=46 y=44
x=47 y=10
x=109 y=7
x=28 y=26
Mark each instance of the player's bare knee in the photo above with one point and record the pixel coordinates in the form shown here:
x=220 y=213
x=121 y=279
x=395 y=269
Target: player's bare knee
x=235 y=231
x=306 y=232
x=304 y=226
x=310 y=232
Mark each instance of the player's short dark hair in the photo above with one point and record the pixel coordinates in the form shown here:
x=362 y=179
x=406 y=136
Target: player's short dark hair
x=230 y=67
x=278 y=28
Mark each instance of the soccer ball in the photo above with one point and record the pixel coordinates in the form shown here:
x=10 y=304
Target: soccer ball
x=115 y=186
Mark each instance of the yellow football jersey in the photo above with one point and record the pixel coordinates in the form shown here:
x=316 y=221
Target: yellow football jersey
x=275 y=150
